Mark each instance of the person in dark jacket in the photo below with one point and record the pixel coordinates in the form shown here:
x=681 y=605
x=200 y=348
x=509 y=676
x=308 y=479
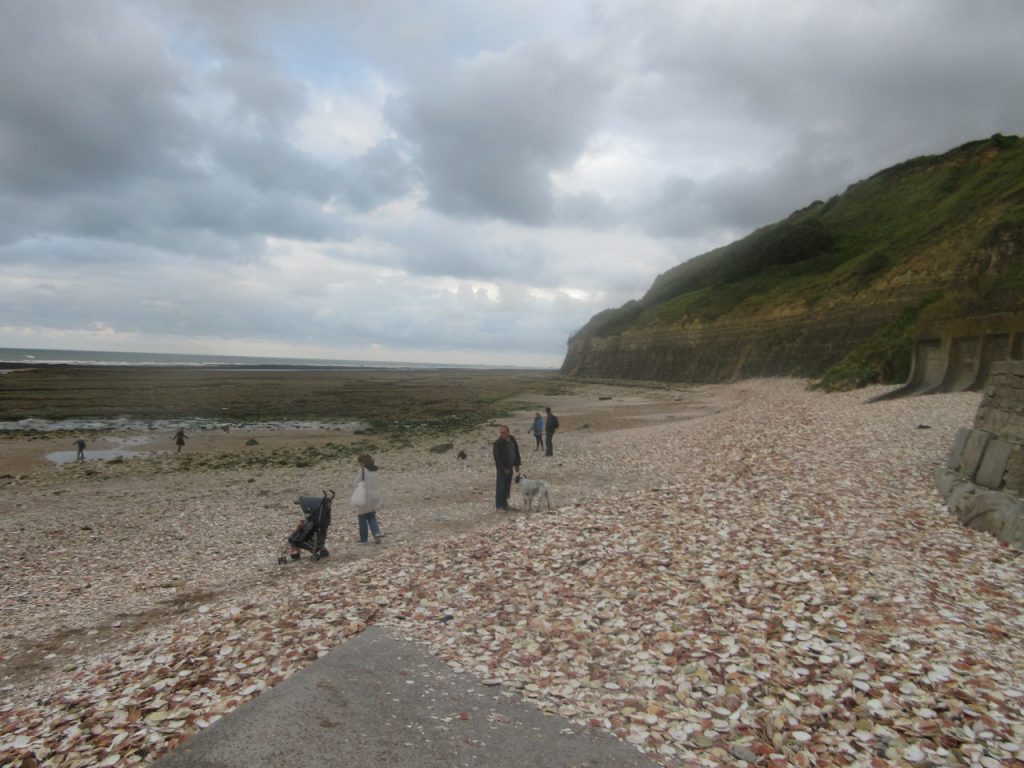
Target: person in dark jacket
x=550 y=425
x=506 y=461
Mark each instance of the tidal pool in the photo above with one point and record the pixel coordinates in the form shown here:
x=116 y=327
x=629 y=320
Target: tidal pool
x=104 y=453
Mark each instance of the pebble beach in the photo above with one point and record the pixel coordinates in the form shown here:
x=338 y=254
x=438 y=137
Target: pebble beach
x=740 y=574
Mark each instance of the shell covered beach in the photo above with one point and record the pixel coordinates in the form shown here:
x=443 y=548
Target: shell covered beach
x=741 y=574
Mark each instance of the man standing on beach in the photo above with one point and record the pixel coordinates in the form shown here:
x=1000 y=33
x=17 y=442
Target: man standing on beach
x=506 y=459
x=80 y=445
x=550 y=425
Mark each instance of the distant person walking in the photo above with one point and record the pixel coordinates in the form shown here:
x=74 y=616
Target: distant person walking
x=537 y=430
x=550 y=425
x=369 y=476
x=80 y=445
x=179 y=438
x=506 y=460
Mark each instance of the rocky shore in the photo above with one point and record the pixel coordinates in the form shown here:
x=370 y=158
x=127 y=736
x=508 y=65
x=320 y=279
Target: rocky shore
x=742 y=574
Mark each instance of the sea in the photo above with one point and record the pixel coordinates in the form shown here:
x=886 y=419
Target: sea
x=23 y=357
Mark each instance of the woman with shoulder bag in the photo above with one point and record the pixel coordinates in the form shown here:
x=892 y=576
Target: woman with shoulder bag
x=366 y=498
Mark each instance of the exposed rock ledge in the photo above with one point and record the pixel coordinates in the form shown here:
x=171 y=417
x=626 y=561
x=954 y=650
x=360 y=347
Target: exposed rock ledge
x=802 y=345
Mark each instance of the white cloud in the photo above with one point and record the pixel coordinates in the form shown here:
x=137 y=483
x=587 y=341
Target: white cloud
x=342 y=125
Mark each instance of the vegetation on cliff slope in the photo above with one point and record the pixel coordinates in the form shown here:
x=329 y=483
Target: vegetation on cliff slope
x=933 y=238
x=884 y=358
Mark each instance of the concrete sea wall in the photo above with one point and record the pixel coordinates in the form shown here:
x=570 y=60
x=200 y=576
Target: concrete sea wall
x=983 y=477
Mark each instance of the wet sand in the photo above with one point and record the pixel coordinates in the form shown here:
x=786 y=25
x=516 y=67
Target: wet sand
x=248 y=395
x=146 y=405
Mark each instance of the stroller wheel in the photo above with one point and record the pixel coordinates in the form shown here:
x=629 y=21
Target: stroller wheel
x=282 y=560
x=296 y=555
x=316 y=557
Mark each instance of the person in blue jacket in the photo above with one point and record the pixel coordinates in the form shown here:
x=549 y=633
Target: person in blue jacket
x=537 y=430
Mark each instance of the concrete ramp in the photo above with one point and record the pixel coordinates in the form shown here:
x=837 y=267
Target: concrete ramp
x=378 y=700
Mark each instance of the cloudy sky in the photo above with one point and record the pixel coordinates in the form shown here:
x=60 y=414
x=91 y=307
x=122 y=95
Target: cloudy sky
x=455 y=182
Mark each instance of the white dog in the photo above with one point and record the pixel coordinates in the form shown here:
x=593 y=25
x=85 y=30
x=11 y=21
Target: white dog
x=533 y=490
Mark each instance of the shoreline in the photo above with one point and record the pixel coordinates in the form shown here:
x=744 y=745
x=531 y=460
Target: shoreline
x=11 y=367
x=27 y=357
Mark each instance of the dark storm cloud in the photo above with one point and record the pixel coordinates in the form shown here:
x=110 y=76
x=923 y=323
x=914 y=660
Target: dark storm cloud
x=473 y=259
x=430 y=247
x=382 y=173
x=834 y=93
x=216 y=218
x=588 y=210
x=106 y=135
x=87 y=97
x=262 y=99
x=491 y=130
x=268 y=164
x=741 y=200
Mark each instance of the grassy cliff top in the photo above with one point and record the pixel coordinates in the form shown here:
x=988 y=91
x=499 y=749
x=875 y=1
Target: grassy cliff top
x=941 y=235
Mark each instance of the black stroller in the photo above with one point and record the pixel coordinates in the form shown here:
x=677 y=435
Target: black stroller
x=311 y=533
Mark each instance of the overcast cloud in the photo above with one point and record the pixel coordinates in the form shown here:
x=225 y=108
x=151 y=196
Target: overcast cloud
x=450 y=182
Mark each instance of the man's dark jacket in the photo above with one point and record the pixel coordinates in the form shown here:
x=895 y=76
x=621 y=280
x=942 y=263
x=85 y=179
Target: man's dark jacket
x=506 y=453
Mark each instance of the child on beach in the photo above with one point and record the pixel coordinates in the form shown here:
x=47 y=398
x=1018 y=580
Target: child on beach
x=311 y=533
x=537 y=430
x=369 y=475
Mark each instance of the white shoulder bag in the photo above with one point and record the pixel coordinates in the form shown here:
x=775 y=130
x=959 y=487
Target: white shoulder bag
x=359 y=494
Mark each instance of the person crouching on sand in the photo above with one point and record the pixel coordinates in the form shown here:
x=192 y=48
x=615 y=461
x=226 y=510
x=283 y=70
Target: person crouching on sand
x=367 y=511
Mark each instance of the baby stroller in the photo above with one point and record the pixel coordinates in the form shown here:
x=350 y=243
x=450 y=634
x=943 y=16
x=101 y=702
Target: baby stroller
x=311 y=533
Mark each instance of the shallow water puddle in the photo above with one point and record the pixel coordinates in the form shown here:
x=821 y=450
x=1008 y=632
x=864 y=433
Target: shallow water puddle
x=104 y=454
x=65 y=457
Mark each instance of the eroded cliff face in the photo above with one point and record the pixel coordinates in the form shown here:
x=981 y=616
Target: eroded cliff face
x=801 y=345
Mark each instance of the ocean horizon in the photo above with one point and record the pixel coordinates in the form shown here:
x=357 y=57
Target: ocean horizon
x=27 y=357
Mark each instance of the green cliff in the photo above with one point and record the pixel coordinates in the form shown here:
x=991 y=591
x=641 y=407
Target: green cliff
x=836 y=289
